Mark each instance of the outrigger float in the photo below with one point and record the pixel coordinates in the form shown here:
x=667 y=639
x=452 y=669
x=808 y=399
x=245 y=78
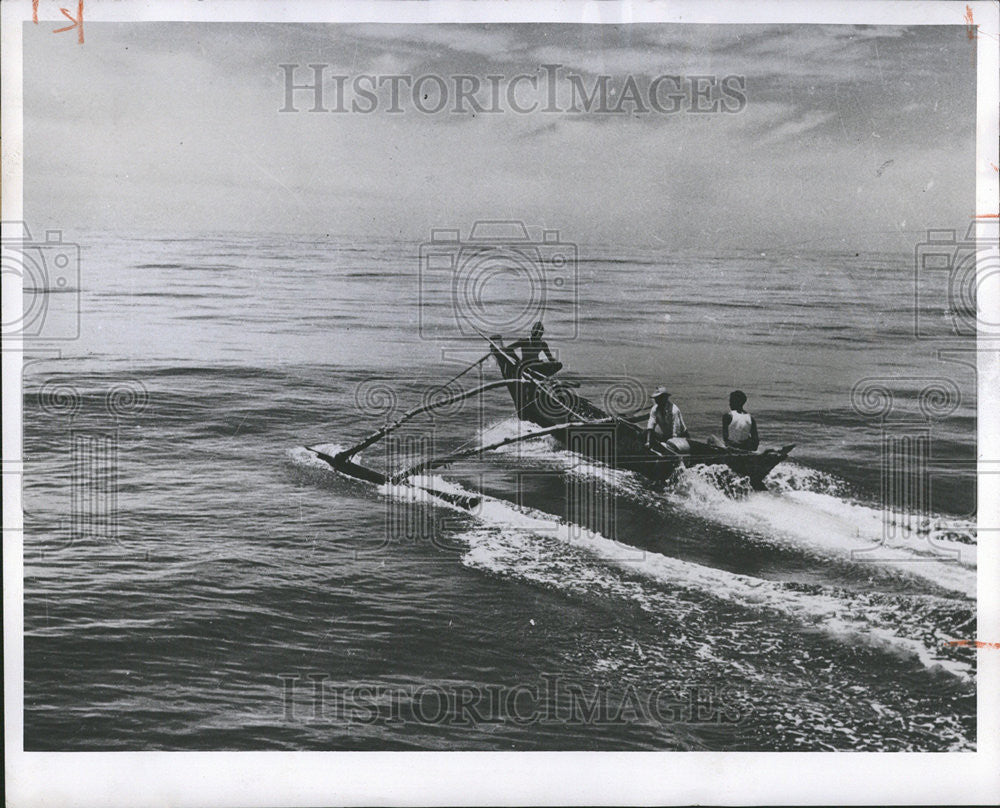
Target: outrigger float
x=557 y=410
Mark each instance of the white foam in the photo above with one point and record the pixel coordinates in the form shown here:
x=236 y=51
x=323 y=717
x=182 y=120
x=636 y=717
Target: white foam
x=542 y=448
x=804 y=508
x=303 y=457
x=514 y=542
x=531 y=545
x=835 y=526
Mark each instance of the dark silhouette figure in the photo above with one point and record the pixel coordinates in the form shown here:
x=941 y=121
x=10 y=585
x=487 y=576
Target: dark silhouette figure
x=739 y=428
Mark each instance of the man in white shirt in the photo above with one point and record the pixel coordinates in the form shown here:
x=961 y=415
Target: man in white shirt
x=665 y=419
x=739 y=428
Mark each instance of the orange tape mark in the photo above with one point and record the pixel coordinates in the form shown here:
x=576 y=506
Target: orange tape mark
x=975 y=643
x=77 y=21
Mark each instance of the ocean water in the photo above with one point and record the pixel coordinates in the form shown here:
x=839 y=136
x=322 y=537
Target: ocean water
x=195 y=579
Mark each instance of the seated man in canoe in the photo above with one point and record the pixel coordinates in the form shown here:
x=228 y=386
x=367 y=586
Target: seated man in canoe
x=531 y=350
x=666 y=427
x=739 y=429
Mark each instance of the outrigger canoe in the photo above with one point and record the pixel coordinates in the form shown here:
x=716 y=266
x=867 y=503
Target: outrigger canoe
x=557 y=410
x=548 y=403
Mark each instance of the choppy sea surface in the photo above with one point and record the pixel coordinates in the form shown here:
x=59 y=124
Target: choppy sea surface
x=195 y=579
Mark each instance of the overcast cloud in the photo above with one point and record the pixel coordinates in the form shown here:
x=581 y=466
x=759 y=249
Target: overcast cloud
x=175 y=127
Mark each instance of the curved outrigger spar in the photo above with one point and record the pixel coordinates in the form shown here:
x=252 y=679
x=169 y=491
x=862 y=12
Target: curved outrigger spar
x=557 y=410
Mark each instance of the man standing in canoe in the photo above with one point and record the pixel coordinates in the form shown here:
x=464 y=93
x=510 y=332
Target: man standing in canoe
x=532 y=349
x=739 y=429
x=665 y=420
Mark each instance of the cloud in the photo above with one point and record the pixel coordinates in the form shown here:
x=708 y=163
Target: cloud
x=177 y=127
x=479 y=40
x=806 y=122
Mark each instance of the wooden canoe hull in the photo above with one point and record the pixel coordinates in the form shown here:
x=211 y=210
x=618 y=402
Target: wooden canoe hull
x=548 y=403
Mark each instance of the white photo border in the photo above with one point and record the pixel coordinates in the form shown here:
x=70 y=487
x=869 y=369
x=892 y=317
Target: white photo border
x=539 y=778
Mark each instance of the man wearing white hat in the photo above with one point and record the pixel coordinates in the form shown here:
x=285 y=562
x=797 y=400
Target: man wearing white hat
x=665 y=419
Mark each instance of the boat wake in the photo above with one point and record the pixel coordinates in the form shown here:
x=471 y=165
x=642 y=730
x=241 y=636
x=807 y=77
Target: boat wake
x=530 y=545
x=804 y=510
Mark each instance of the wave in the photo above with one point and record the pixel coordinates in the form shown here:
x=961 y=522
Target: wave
x=512 y=544
x=531 y=545
x=804 y=509
x=51 y=290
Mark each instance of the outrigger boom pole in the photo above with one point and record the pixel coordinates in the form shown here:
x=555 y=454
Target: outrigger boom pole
x=348 y=453
x=444 y=460
x=652 y=462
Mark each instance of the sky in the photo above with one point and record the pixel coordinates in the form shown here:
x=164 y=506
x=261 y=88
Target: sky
x=850 y=137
